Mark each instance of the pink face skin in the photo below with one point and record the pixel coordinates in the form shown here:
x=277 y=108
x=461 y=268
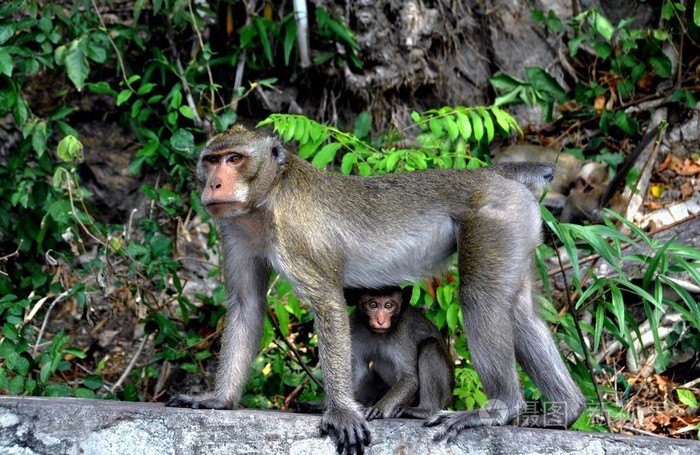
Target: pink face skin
x=380 y=311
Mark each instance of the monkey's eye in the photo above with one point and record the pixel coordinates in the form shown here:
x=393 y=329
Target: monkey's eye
x=211 y=159
x=389 y=305
x=372 y=304
x=234 y=158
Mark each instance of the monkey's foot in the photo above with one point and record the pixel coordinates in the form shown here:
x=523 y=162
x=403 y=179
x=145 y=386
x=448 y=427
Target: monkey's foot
x=454 y=422
x=372 y=413
x=349 y=428
x=409 y=412
x=201 y=402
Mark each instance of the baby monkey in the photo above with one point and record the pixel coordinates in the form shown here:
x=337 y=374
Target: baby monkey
x=400 y=362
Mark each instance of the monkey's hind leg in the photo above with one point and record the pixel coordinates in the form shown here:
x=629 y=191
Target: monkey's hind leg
x=435 y=372
x=539 y=357
x=496 y=242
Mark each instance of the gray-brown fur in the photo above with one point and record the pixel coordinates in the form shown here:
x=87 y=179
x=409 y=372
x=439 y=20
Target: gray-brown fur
x=408 y=365
x=403 y=371
x=325 y=231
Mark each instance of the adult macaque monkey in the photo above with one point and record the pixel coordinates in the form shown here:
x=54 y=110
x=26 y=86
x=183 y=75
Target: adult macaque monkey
x=325 y=231
x=400 y=363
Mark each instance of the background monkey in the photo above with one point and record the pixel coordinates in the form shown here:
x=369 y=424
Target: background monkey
x=325 y=232
x=400 y=364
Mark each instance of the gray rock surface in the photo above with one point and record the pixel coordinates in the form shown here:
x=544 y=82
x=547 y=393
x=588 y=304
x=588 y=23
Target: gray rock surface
x=31 y=426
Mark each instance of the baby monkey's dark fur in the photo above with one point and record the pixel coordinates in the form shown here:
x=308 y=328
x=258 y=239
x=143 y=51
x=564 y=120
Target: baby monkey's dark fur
x=324 y=232
x=400 y=364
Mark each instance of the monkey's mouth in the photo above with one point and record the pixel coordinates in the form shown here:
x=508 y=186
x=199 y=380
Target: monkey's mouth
x=380 y=330
x=222 y=208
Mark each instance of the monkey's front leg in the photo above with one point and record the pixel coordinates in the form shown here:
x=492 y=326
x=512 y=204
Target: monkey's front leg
x=247 y=281
x=342 y=418
x=390 y=405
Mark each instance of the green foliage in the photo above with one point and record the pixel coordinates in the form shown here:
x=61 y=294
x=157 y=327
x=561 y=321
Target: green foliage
x=165 y=94
x=604 y=296
x=333 y=33
x=448 y=137
x=626 y=60
x=540 y=88
x=170 y=97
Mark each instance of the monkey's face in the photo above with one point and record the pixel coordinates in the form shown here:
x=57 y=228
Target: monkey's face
x=381 y=311
x=236 y=170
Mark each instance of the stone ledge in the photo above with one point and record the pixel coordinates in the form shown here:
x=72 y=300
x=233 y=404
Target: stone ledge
x=30 y=426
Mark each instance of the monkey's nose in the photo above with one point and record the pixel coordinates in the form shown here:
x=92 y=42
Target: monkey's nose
x=215 y=184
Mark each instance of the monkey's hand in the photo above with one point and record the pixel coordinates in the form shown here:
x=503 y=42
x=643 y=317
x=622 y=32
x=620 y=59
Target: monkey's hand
x=207 y=401
x=454 y=422
x=349 y=428
x=376 y=412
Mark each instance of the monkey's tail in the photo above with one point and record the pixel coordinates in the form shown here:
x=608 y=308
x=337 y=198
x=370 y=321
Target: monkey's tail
x=534 y=175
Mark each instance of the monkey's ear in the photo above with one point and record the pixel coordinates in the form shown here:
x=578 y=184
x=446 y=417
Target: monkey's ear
x=279 y=153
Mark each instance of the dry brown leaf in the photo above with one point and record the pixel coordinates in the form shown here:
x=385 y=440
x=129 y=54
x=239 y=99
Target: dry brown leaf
x=599 y=103
x=686 y=190
x=689 y=168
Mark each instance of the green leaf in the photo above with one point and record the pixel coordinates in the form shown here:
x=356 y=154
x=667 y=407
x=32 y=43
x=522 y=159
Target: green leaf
x=542 y=81
x=348 y=163
x=464 y=125
x=92 y=381
x=452 y=316
x=145 y=89
x=6 y=63
x=435 y=127
x=289 y=40
x=505 y=82
x=83 y=393
x=70 y=150
x=182 y=140
x=603 y=26
x=501 y=118
x=626 y=123
x=687 y=397
x=16 y=385
x=326 y=154
x=363 y=124
x=602 y=49
x=662 y=65
x=488 y=124
x=696 y=13
x=452 y=128
x=45 y=372
x=76 y=65
x=282 y=317
x=341 y=31
x=39 y=135
x=309 y=148
x=7 y=31
x=187 y=112
x=477 y=124
x=96 y=53
x=202 y=355
x=392 y=160
x=10 y=332
x=124 y=96
x=364 y=169
x=261 y=27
